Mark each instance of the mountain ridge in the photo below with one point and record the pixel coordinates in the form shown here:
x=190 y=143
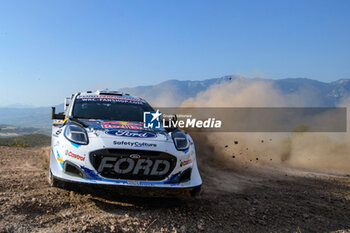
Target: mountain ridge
x=173 y=92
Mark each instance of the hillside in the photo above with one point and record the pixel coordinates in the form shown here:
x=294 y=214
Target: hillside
x=316 y=93
x=28 y=117
x=9 y=130
x=32 y=140
x=174 y=92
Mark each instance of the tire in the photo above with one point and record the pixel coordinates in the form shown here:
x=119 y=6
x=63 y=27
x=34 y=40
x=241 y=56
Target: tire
x=53 y=182
x=196 y=191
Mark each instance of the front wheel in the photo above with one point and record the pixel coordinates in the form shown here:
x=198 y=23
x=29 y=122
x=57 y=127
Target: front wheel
x=53 y=182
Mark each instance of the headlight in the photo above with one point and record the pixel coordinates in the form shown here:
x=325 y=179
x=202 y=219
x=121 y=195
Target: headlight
x=180 y=140
x=76 y=133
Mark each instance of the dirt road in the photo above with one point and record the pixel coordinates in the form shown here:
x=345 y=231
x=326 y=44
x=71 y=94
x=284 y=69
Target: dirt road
x=241 y=202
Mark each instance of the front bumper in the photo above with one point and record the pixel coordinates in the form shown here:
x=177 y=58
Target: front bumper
x=91 y=177
x=136 y=191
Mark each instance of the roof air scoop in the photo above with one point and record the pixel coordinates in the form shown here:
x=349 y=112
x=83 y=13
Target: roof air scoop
x=108 y=92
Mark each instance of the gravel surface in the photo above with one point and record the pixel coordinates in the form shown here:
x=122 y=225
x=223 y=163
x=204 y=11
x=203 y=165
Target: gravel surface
x=263 y=201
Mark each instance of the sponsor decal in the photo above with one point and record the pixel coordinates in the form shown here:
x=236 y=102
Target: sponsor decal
x=135 y=166
x=58 y=132
x=134 y=144
x=117 y=125
x=108 y=98
x=152 y=120
x=76 y=156
x=122 y=125
x=186 y=162
x=132 y=134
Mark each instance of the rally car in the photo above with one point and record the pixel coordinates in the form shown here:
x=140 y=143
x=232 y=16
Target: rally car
x=101 y=138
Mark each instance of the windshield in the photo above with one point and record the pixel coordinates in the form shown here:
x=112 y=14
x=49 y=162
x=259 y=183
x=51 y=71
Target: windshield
x=116 y=108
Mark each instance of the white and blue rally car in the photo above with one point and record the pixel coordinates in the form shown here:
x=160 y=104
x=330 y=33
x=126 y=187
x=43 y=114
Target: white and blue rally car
x=101 y=139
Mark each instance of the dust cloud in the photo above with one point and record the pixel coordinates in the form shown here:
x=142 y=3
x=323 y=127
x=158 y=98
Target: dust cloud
x=325 y=152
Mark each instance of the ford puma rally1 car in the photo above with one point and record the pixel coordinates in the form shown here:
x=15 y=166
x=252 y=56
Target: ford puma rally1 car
x=101 y=139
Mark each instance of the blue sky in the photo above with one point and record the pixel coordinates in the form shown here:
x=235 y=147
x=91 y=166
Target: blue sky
x=50 y=49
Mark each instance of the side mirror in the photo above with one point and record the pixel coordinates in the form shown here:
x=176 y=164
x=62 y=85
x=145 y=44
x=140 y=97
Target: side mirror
x=59 y=116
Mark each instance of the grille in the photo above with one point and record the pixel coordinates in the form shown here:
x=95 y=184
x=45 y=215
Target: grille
x=155 y=171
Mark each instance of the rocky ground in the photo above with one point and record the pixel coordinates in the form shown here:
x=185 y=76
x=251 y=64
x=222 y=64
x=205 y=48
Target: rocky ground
x=248 y=201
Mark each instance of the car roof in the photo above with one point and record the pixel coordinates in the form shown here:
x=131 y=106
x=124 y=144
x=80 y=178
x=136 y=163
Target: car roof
x=108 y=93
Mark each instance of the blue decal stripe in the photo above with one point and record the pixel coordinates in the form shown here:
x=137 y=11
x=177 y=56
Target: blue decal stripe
x=75 y=145
x=58 y=155
x=94 y=176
